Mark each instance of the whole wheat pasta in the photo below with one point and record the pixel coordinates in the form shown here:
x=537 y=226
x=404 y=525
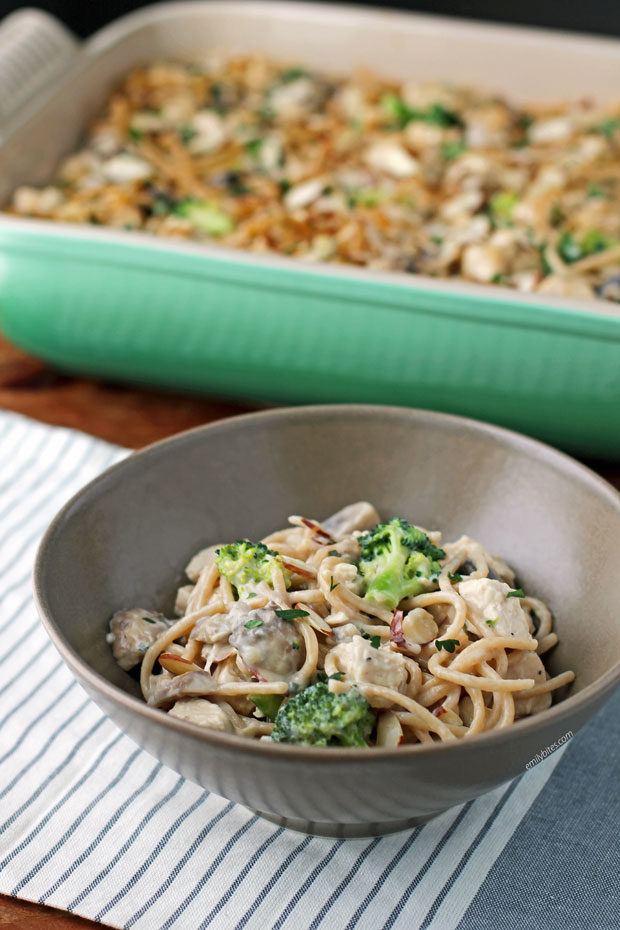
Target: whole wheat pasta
x=455 y=654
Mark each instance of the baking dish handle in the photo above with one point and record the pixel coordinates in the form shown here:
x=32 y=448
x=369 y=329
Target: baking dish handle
x=35 y=49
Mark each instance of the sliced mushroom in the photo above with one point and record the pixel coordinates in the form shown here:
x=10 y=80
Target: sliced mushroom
x=190 y=684
x=268 y=645
x=132 y=632
x=216 y=628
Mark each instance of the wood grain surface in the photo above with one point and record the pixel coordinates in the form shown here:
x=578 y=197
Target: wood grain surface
x=129 y=416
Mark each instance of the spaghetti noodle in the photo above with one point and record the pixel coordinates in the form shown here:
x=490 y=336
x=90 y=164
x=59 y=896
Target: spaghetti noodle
x=458 y=658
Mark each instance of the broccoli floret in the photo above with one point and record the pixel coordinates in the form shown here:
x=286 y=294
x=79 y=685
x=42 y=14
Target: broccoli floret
x=316 y=717
x=205 y=215
x=246 y=563
x=397 y=561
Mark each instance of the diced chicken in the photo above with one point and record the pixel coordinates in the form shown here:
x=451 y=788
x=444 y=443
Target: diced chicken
x=392 y=159
x=203 y=713
x=345 y=632
x=556 y=129
x=210 y=132
x=358 y=516
x=30 y=200
x=528 y=665
x=419 y=626
x=482 y=262
x=486 y=600
x=270 y=645
x=294 y=99
x=420 y=136
x=124 y=169
x=189 y=684
x=132 y=632
x=360 y=661
x=303 y=194
x=463 y=205
x=271 y=153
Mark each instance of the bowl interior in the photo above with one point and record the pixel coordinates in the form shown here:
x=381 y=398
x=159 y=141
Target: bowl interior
x=125 y=539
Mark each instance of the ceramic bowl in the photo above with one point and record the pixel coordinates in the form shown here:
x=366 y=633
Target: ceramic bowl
x=125 y=538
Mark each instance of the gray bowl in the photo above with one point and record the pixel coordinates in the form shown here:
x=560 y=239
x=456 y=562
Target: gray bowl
x=124 y=539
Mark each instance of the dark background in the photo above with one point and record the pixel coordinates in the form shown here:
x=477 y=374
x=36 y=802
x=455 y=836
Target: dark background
x=600 y=16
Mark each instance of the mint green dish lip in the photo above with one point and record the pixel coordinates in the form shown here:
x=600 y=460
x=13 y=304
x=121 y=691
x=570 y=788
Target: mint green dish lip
x=266 y=328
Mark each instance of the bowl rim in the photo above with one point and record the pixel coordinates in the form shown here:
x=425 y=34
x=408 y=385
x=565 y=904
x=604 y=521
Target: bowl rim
x=491 y=739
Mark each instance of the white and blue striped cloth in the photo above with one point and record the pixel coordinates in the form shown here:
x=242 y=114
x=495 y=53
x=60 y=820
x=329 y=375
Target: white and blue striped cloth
x=91 y=824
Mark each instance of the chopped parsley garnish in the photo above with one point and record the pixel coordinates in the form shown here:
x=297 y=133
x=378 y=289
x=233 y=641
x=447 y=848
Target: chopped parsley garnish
x=292 y=74
x=148 y=620
x=254 y=622
x=295 y=644
x=452 y=150
x=236 y=185
x=217 y=95
x=375 y=641
x=333 y=552
x=454 y=576
x=609 y=127
x=186 y=134
x=568 y=249
x=448 y=644
x=332 y=584
x=596 y=191
x=253 y=147
x=518 y=592
x=292 y=614
x=135 y=134
x=556 y=215
x=491 y=622
x=337 y=676
x=436 y=115
x=251 y=594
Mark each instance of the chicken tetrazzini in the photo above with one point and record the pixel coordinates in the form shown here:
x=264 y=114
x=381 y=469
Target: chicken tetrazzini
x=348 y=632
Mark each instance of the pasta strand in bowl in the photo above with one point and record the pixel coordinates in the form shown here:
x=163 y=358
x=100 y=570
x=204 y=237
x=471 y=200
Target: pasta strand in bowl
x=349 y=632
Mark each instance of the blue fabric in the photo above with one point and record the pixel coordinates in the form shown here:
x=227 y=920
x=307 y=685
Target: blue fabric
x=561 y=869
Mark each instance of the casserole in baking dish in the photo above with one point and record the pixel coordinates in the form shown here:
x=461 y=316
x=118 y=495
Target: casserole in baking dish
x=206 y=317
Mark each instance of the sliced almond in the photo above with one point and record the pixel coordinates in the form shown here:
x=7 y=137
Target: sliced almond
x=177 y=665
x=389 y=730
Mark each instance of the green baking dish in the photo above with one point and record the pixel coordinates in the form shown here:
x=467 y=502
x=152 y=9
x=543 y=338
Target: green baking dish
x=204 y=318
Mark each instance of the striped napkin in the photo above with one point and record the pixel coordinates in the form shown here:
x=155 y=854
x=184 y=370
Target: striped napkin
x=92 y=824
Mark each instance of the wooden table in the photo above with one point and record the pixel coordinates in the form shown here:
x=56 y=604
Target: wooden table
x=128 y=416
